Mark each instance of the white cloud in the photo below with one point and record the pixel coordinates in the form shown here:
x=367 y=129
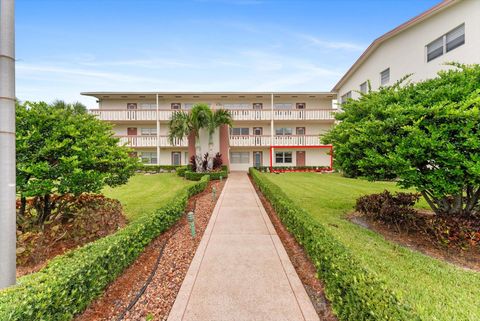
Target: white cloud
x=318 y=42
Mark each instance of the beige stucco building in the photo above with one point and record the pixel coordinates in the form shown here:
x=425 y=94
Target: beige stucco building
x=448 y=32
x=283 y=128
x=290 y=123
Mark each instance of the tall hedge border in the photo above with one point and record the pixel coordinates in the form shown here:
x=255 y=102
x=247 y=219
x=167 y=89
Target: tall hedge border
x=72 y=281
x=355 y=293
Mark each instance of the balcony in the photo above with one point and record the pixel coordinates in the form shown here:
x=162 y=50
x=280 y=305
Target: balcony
x=119 y=115
x=265 y=141
x=151 y=141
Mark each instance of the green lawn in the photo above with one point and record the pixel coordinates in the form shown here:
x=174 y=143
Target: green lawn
x=436 y=290
x=145 y=193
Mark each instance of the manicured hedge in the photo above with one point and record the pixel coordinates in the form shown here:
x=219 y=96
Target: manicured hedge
x=293 y=168
x=72 y=281
x=157 y=168
x=181 y=171
x=194 y=176
x=355 y=292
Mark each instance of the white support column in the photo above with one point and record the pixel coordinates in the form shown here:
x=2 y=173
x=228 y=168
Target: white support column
x=272 y=130
x=158 y=133
x=7 y=145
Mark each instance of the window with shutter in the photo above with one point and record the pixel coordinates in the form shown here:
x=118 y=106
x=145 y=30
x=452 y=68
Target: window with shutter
x=455 y=38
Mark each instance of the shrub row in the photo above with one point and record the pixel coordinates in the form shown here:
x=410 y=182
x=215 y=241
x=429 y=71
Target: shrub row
x=181 y=171
x=355 y=293
x=72 y=281
x=157 y=168
x=293 y=168
x=194 y=176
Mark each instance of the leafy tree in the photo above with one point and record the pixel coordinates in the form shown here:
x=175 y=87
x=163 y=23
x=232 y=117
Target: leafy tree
x=62 y=150
x=426 y=135
x=201 y=116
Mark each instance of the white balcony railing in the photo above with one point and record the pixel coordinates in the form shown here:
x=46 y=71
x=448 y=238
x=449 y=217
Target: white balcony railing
x=249 y=140
x=124 y=115
x=151 y=141
x=237 y=114
x=296 y=140
x=250 y=114
x=304 y=114
x=287 y=140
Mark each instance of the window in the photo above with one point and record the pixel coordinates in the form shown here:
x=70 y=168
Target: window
x=257 y=105
x=148 y=131
x=283 y=157
x=176 y=158
x=237 y=106
x=283 y=131
x=239 y=131
x=455 y=38
x=186 y=158
x=435 y=49
x=345 y=97
x=149 y=157
x=446 y=43
x=385 y=77
x=363 y=87
x=283 y=106
x=240 y=157
x=176 y=105
x=148 y=106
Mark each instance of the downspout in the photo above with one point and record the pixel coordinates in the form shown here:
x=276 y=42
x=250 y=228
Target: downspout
x=271 y=132
x=158 y=134
x=7 y=145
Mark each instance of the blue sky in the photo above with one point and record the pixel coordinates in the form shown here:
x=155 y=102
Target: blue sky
x=64 y=47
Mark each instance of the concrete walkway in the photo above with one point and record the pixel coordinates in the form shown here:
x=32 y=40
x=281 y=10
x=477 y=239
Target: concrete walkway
x=241 y=270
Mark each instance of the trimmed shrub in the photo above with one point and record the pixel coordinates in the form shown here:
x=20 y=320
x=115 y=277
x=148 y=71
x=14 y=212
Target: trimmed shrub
x=193 y=176
x=389 y=208
x=293 y=168
x=181 y=171
x=69 y=283
x=355 y=293
x=157 y=168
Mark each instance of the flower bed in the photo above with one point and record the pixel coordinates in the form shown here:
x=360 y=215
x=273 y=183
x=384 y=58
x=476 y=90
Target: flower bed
x=71 y=281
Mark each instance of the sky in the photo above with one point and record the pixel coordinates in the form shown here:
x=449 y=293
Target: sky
x=64 y=47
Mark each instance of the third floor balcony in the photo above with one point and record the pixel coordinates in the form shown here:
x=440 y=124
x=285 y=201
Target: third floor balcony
x=129 y=115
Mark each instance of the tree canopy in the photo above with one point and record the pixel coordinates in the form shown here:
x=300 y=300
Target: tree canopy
x=61 y=150
x=426 y=135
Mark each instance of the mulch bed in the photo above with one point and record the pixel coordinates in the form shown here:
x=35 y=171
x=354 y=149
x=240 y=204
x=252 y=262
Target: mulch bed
x=468 y=258
x=92 y=217
x=159 y=296
x=304 y=267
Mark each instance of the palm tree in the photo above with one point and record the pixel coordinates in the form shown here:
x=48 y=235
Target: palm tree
x=201 y=116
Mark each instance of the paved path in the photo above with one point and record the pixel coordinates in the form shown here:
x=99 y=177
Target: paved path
x=241 y=270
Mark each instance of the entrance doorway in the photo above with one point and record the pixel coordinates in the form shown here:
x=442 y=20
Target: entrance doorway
x=300 y=158
x=132 y=131
x=257 y=159
x=176 y=158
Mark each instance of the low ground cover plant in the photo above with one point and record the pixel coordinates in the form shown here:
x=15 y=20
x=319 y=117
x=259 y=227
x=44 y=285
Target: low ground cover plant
x=71 y=281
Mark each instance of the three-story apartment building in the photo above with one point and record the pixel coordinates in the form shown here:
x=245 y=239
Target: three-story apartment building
x=278 y=129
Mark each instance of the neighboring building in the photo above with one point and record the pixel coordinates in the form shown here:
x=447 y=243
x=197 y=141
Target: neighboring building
x=291 y=120
x=448 y=32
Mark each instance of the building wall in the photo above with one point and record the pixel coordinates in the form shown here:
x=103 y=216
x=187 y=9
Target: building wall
x=405 y=53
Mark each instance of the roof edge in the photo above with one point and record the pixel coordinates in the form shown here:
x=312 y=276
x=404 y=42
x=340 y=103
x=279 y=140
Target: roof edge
x=378 y=41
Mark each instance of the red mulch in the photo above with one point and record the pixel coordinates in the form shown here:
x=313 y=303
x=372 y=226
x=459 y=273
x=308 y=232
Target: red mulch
x=158 y=299
x=92 y=217
x=304 y=267
x=468 y=257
